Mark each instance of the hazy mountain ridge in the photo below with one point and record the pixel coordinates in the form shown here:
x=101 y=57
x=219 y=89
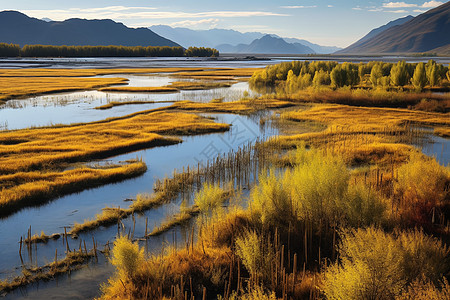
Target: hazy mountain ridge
x=205 y=38
x=268 y=44
x=428 y=32
x=18 y=28
x=228 y=40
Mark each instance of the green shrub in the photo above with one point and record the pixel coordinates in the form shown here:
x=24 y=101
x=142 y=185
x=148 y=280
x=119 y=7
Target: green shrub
x=377 y=265
x=126 y=257
x=257 y=254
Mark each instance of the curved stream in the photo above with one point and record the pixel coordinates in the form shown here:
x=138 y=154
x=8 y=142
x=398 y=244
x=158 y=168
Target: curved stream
x=161 y=161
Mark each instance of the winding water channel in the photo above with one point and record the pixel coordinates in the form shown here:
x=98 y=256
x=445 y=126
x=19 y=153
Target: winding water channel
x=161 y=161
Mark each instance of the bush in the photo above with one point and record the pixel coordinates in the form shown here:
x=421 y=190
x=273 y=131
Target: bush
x=209 y=198
x=127 y=257
x=257 y=254
x=377 y=265
x=421 y=188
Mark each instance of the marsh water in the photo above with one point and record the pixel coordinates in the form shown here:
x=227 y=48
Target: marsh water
x=63 y=212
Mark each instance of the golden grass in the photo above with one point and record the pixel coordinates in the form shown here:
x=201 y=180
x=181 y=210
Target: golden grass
x=367 y=118
x=176 y=220
x=363 y=135
x=184 y=72
x=369 y=97
x=31 y=160
x=245 y=106
x=42 y=72
x=171 y=88
x=442 y=131
x=195 y=85
x=16 y=87
x=33 y=188
x=132 y=89
x=28 y=149
x=219 y=73
x=115 y=103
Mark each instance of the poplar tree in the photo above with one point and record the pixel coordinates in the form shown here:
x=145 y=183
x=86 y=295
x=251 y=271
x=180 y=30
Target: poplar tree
x=419 y=79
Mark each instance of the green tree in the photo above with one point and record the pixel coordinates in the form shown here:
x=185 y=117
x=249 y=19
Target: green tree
x=399 y=74
x=432 y=73
x=419 y=79
x=338 y=76
x=376 y=74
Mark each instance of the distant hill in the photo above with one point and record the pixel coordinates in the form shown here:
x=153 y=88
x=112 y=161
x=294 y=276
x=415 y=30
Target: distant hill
x=205 y=38
x=18 y=28
x=268 y=44
x=317 y=48
x=428 y=32
x=380 y=29
x=226 y=38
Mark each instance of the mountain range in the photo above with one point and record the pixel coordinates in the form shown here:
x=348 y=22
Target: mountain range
x=18 y=28
x=267 y=44
x=228 y=40
x=428 y=32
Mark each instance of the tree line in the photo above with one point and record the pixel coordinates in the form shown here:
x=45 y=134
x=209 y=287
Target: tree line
x=14 y=50
x=301 y=74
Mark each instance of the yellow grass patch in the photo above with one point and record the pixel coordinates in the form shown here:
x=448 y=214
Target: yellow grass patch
x=245 y=106
x=33 y=188
x=133 y=89
x=14 y=87
x=29 y=149
x=41 y=72
x=367 y=118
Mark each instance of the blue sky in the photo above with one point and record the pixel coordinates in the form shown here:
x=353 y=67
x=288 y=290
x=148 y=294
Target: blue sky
x=327 y=22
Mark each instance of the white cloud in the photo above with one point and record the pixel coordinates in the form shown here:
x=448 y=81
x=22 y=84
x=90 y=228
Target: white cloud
x=399 y=11
x=419 y=11
x=210 y=23
x=432 y=4
x=330 y=6
x=398 y=5
x=357 y=8
x=130 y=13
x=299 y=6
x=429 y=4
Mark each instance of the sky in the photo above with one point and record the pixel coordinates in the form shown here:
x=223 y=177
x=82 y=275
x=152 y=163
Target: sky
x=326 y=22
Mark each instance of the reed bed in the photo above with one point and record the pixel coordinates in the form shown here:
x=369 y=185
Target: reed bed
x=74 y=260
x=239 y=167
